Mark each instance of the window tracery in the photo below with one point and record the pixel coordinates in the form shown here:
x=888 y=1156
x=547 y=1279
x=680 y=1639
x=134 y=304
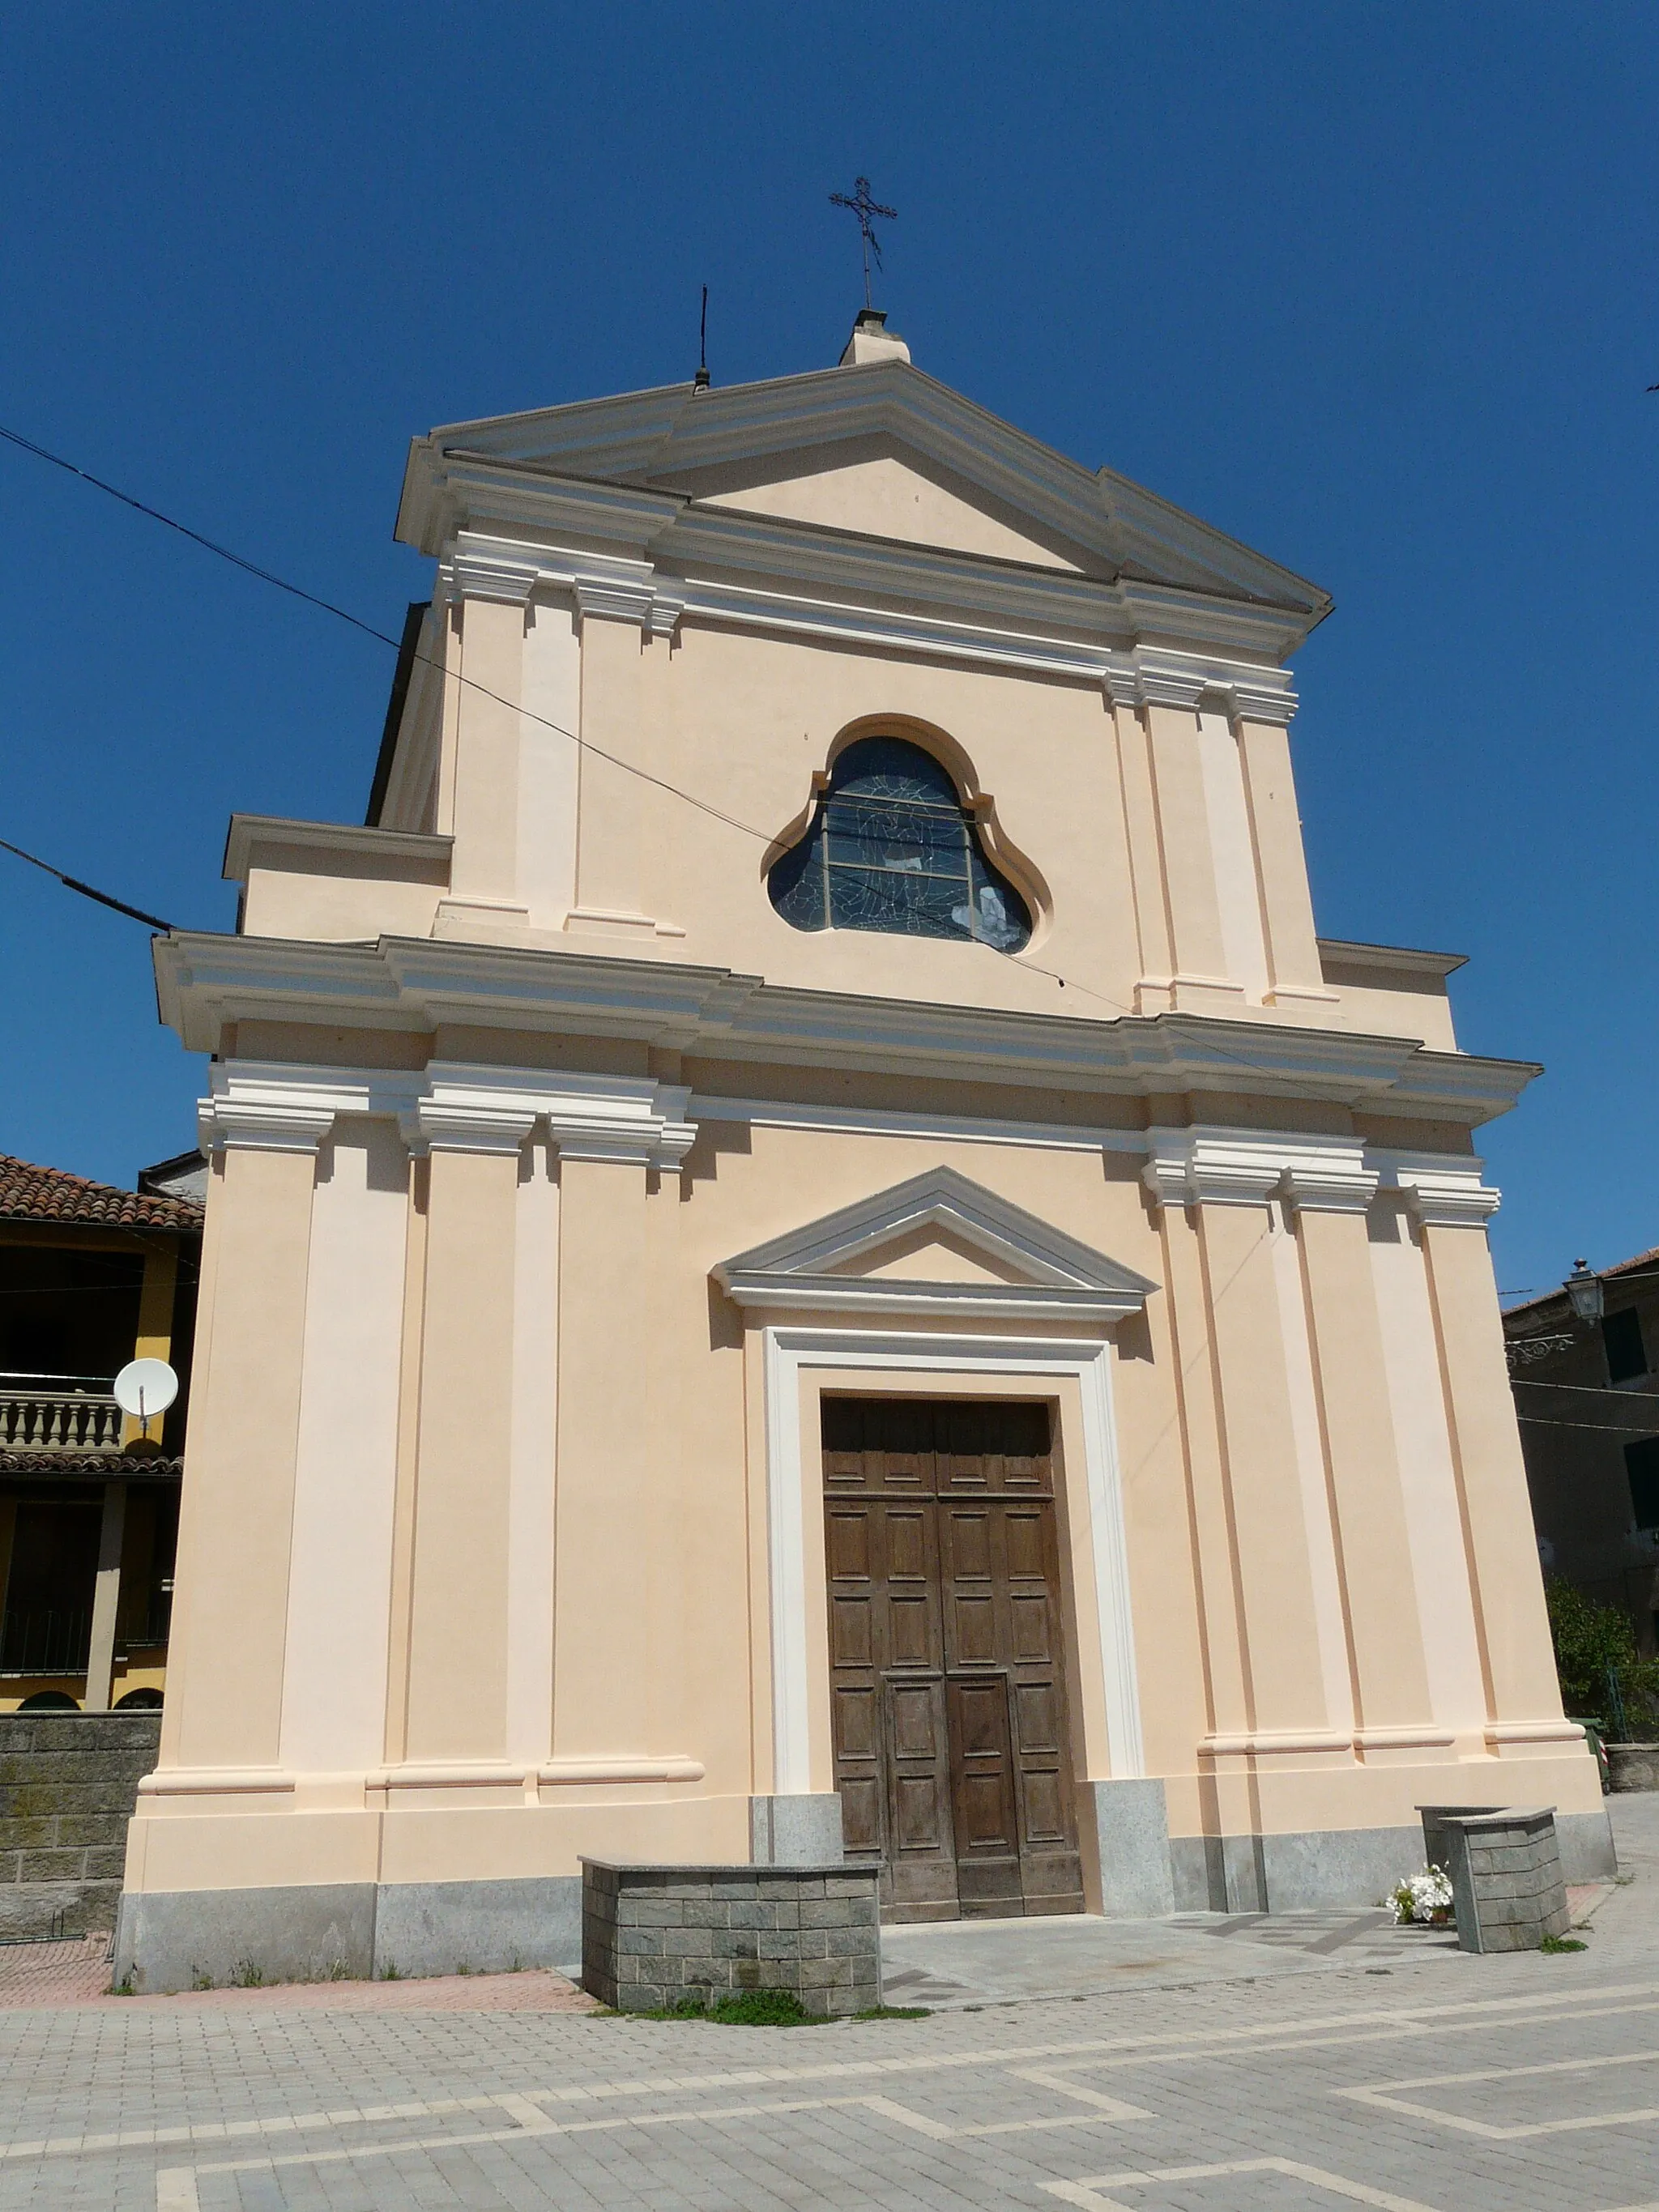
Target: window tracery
x=891 y=847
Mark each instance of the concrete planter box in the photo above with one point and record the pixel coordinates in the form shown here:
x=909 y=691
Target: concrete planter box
x=1633 y=1765
x=656 y=1936
x=1507 y=1889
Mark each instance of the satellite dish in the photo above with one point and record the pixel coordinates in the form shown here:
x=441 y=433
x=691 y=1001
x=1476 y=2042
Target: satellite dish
x=145 y=1387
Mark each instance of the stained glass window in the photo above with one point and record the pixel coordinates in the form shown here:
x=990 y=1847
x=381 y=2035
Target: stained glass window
x=890 y=847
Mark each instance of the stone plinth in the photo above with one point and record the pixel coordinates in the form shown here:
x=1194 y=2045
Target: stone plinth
x=1505 y=1872
x=656 y=1936
x=1633 y=1765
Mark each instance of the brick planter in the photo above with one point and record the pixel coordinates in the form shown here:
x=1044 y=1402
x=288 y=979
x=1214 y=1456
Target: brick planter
x=654 y=1936
x=1633 y=1765
x=68 y=1785
x=1505 y=1873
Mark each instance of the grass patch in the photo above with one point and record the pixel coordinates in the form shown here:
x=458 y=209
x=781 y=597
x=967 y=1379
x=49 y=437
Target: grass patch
x=760 y=2009
x=1562 y=1943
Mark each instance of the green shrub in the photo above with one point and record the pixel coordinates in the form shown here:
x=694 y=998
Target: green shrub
x=1596 y=1659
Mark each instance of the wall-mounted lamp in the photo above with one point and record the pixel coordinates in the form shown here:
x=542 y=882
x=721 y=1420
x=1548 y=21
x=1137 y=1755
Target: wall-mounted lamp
x=1583 y=1288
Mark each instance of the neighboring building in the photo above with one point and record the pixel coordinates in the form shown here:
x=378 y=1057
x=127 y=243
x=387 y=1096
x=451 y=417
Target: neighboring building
x=90 y=1278
x=1588 y=1396
x=900 y=1300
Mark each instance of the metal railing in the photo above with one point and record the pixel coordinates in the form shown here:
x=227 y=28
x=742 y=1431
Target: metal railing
x=58 y=1413
x=44 y=1642
x=147 y=1629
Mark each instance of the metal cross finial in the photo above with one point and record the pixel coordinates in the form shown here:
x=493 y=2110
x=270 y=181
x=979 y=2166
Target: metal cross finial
x=864 y=207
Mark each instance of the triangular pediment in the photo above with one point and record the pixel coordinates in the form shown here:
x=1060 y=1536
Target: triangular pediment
x=874 y=487
x=940 y=1243
x=879 y=449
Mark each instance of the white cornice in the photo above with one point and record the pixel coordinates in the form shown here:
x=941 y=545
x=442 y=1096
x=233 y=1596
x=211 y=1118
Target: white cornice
x=389 y=849
x=451 y=1106
x=790 y=578
x=1150 y=675
x=1205 y=1166
x=1440 y=1191
x=416 y=985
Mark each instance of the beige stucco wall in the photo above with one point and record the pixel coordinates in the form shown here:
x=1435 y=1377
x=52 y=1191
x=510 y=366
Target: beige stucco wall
x=502 y=1531
x=1158 y=845
x=499 y=1538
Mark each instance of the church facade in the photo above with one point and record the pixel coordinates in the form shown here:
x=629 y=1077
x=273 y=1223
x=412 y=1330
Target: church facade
x=807 y=1253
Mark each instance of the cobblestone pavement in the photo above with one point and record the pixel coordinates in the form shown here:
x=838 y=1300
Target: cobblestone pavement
x=1418 y=2081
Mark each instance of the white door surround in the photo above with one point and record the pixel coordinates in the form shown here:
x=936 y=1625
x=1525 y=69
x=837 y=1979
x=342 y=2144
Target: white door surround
x=791 y=1350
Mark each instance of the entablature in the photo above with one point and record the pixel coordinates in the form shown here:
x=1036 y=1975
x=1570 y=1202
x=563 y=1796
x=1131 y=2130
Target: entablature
x=206 y=982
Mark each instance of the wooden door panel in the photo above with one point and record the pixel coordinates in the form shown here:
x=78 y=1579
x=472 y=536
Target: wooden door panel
x=1026 y=1528
x=1030 y=1639
x=1037 y=1720
x=847 y=1543
x=947 y=1655
x=852 y=1632
x=860 y=1815
x=968 y=1545
x=858 y=1722
x=909 y=1624
x=908 y=1550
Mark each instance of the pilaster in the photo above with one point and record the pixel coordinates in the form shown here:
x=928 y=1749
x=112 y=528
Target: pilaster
x=1294 y=970
x=457 y=1694
x=230 y=1617
x=484 y=866
x=1199 y=977
x=1524 y=1696
x=1225 y=1183
x=616 y=816
x=1392 y=1702
x=605 y=1628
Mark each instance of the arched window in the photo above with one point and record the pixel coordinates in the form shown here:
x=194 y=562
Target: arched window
x=890 y=847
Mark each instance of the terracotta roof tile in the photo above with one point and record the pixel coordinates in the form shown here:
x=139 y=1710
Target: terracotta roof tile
x=99 y=1465
x=28 y=1193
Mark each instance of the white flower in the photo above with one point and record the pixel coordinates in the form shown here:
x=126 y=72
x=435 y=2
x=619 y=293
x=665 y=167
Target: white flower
x=1420 y=1896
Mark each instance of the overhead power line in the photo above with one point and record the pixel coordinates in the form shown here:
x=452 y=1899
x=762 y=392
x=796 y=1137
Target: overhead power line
x=74 y=883
x=385 y=637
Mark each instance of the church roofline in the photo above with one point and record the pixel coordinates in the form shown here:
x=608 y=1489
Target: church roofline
x=653 y=443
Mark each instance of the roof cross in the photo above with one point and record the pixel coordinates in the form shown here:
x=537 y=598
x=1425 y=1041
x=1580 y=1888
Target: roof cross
x=864 y=207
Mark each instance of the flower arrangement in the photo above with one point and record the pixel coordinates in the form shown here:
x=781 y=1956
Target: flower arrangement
x=1423 y=1900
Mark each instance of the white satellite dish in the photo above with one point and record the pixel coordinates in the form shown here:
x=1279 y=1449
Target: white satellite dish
x=145 y=1387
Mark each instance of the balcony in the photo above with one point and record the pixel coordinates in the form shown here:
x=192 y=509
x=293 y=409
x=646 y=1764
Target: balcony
x=64 y=1413
x=42 y=1640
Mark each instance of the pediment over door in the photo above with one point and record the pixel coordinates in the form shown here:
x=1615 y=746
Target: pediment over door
x=938 y=1244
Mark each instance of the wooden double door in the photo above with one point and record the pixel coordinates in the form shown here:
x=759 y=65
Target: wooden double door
x=947 y=1656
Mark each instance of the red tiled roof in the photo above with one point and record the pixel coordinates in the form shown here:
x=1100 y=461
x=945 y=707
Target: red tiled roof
x=28 y=1193
x=99 y=1465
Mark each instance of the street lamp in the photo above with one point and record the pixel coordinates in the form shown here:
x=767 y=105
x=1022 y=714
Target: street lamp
x=1583 y=1289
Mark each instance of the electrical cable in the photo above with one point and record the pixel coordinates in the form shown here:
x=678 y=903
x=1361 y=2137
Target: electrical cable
x=385 y=637
x=1590 y=1428
x=1593 y=1389
x=74 y=883
x=368 y=630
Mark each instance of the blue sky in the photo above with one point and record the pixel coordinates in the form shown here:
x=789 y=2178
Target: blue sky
x=1372 y=288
